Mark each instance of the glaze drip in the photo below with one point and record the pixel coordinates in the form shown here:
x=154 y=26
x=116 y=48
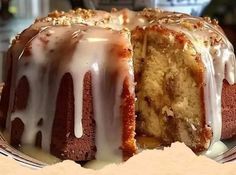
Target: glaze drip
x=97 y=50
x=104 y=53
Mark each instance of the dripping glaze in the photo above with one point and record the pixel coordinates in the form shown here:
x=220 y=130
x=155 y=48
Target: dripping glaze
x=215 y=59
x=94 y=50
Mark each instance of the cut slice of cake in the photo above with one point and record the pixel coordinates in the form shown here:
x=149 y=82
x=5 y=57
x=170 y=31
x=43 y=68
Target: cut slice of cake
x=180 y=65
x=169 y=76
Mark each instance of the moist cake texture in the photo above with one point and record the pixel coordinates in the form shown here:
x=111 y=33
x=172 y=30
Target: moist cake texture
x=169 y=88
x=182 y=95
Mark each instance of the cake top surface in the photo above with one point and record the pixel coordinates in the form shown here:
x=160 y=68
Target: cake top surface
x=178 y=159
x=207 y=30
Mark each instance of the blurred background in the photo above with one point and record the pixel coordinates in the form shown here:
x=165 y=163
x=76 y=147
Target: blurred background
x=15 y=15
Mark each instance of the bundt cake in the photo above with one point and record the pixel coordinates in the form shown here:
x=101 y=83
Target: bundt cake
x=72 y=80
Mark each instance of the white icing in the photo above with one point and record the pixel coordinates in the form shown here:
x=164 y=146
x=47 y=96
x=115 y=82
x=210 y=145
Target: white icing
x=106 y=91
x=97 y=51
x=92 y=54
x=216 y=149
x=42 y=97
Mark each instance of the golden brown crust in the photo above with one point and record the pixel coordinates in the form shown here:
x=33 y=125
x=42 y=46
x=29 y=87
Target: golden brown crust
x=16 y=132
x=128 y=112
x=228 y=110
x=64 y=143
